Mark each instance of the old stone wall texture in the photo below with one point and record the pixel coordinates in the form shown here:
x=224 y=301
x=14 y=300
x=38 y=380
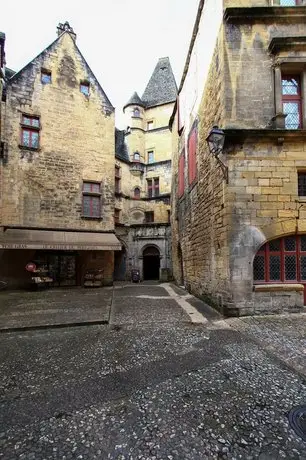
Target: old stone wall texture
x=43 y=188
x=217 y=228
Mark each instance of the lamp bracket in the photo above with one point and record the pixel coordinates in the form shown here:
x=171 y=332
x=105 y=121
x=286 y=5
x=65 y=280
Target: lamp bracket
x=223 y=167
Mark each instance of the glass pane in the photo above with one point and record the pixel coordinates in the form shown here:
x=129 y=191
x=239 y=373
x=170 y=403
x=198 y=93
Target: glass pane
x=86 y=205
x=35 y=122
x=95 y=188
x=291 y=109
x=150 y=157
x=26 y=120
x=290 y=243
x=86 y=186
x=303 y=243
x=34 y=137
x=274 y=245
x=290 y=86
x=95 y=204
x=259 y=268
x=287 y=2
x=274 y=268
x=26 y=138
x=136 y=156
x=290 y=268
x=46 y=78
x=302 y=184
x=84 y=89
x=303 y=267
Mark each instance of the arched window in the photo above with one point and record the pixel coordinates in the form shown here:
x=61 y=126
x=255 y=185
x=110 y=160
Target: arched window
x=281 y=261
x=136 y=156
x=136 y=112
x=137 y=193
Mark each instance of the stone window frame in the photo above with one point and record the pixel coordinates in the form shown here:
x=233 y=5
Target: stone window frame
x=94 y=194
x=289 y=66
x=31 y=128
x=136 y=195
x=136 y=156
x=301 y=173
x=136 y=113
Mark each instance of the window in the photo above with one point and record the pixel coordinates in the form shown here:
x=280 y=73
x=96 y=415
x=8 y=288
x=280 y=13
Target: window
x=288 y=2
x=84 y=88
x=149 y=217
x=302 y=183
x=151 y=156
x=192 y=155
x=45 y=76
x=30 y=126
x=136 y=113
x=117 y=216
x=292 y=101
x=181 y=175
x=150 y=125
x=281 y=260
x=117 y=179
x=137 y=193
x=136 y=156
x=91 y=199
x=153 y=187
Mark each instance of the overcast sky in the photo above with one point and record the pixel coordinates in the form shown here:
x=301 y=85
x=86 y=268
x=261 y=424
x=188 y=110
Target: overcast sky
x=120 y=39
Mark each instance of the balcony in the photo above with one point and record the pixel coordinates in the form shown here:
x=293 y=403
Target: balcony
x=137 y=168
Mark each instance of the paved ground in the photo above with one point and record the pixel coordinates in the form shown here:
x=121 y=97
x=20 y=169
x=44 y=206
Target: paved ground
x=159 y=382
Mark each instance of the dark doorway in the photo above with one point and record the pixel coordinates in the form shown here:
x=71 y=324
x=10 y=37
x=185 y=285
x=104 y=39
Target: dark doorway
x=120 y=265
x=61 y=266
x=151 y=263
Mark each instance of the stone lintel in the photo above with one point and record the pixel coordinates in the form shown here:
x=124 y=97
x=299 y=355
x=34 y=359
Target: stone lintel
x=278 y=287
x=263 y=13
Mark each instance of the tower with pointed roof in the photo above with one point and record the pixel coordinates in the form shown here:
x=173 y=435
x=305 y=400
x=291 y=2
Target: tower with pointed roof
x=146 y=180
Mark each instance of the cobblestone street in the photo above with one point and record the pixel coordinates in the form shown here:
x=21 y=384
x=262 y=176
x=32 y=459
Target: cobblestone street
x=160 y=381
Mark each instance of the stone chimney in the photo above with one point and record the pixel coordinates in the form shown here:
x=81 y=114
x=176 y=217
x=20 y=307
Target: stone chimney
x=61 y=28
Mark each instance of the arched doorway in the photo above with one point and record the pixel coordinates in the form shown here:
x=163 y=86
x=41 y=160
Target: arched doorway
x=282 y=261
x=120 y=265
x=151 y=263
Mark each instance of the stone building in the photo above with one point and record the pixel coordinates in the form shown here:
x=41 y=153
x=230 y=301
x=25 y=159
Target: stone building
x=143 y=179
x=239 y=230
x=57 y=196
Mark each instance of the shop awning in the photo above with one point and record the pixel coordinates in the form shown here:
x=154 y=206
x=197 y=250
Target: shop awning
x=12 y=238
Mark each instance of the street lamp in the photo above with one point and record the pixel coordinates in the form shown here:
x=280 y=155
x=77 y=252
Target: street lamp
x=215 y=141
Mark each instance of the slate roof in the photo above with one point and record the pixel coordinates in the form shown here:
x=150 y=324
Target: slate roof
x=121 y=150
x=9 y=72
x=134 y=100
x=162 y=87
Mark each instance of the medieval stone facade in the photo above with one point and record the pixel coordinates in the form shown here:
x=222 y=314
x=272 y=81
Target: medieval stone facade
x=239 y=242
x=143 y=182
x=57 y=201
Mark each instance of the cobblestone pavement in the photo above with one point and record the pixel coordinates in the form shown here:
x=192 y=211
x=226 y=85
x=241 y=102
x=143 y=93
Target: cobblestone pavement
x=282 y=335
x=156 y=387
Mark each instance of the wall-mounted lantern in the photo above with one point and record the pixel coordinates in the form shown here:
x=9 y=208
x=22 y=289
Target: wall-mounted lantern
x=215 y=141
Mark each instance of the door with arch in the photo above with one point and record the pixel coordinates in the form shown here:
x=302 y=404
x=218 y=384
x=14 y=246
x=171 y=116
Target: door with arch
x=282 y=261
x=151 y=263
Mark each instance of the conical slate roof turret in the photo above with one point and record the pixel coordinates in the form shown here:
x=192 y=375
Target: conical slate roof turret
x=162 y=88
x=134 y=100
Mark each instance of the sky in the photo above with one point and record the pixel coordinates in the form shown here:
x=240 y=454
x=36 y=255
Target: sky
x=121 y=40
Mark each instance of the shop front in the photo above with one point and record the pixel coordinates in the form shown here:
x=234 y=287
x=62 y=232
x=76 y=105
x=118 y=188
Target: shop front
x=63 y=256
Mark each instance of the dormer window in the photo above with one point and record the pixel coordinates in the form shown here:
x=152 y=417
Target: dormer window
x=136 y=156
x=136 y=112
x=84 y=88
x=45 y=76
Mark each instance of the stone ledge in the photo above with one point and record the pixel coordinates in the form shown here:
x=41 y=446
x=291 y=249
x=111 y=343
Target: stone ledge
x=262 y=13
x=278 y=287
